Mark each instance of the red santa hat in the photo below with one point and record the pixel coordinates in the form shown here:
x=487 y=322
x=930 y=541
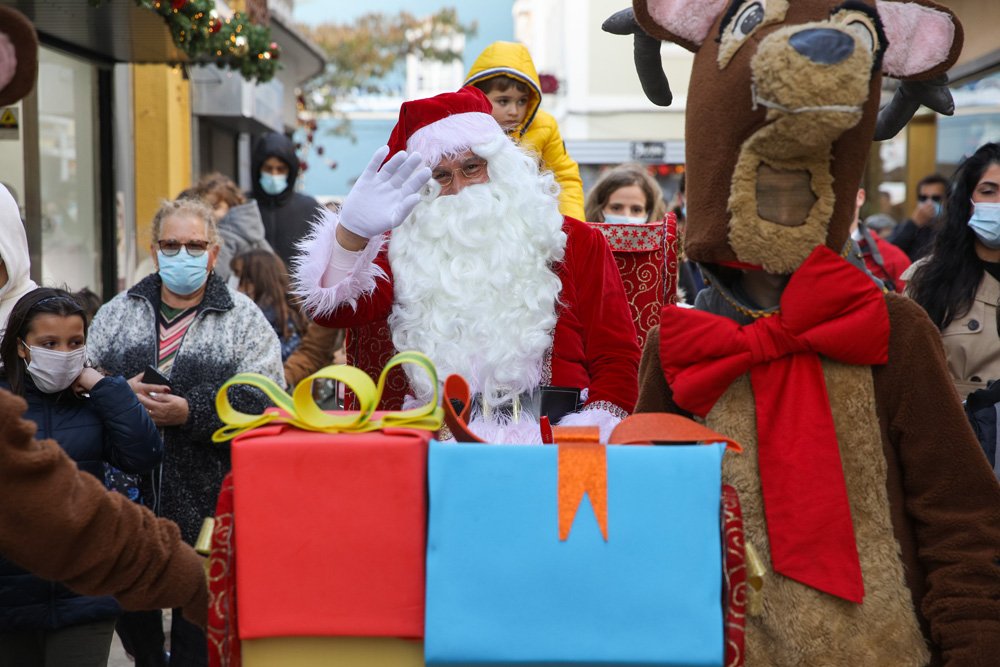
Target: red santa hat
x=445 y=124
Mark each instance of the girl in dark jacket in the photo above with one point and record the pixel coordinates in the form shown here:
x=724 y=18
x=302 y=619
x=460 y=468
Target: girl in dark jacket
x=96 y=419
x=262 y=276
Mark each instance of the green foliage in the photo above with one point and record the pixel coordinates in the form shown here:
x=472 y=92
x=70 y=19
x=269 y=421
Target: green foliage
x=364 y=54
x=233 y=43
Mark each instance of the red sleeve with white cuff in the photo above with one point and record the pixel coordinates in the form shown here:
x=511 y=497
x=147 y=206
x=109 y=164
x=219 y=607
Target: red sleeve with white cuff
x=340 y=288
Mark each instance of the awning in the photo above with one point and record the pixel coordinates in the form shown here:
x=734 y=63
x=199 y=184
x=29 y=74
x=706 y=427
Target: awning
x=230 y=100
x=117 y=30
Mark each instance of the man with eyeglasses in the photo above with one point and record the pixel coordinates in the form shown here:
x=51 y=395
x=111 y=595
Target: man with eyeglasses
x=915 y=236
x=482 y=273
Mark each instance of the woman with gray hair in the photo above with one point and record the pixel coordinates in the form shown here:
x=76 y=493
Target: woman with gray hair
x=195 y=333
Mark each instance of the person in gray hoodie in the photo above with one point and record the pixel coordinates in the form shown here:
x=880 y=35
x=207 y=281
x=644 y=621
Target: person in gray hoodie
x=241 y=227
x=287 y=214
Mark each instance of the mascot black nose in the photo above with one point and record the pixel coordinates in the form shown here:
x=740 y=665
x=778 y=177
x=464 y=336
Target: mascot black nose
x=823 y=45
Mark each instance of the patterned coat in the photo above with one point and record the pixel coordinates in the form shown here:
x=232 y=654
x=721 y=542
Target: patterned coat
x=229 y=335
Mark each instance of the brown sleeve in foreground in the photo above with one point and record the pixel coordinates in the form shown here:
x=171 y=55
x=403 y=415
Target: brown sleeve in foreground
x=62 y=524
x=313 y=353
x=951 y=496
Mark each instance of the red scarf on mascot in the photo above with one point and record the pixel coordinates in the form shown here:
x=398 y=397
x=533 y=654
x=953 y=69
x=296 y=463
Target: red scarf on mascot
x=829 y=308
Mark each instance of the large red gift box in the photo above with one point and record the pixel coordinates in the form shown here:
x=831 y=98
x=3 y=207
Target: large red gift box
x=330 y=532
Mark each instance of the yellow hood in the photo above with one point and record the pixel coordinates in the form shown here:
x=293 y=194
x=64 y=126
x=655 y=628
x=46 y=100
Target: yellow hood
x=513 y=60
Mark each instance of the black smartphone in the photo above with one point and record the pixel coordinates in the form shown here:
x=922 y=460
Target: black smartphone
x=153 y=376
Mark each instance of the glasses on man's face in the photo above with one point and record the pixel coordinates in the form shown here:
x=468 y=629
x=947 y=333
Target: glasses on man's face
x=170 y=248
x=936 y=198
x=470 y=170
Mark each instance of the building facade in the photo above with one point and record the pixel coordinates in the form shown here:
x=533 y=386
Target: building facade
x=116 y=124
x=603 y=115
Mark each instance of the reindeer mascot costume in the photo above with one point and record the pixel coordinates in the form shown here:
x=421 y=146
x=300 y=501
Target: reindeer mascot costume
x=864 y=491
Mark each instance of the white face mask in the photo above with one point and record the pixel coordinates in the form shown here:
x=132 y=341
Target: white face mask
x=233 y=282
x=52 y=370
x=623 y=219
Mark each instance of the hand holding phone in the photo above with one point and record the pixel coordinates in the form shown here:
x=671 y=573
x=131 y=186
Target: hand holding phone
x=150 y=382
x=153 y=376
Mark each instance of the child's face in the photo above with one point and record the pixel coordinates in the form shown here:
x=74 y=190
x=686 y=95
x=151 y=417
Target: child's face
x=509 y=107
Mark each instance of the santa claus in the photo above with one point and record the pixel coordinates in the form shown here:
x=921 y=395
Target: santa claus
x=482 y=273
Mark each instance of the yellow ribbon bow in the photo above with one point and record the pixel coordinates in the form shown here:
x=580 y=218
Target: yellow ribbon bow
x=301 y=411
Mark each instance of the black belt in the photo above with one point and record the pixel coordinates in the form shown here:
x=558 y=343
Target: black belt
x=549 y=401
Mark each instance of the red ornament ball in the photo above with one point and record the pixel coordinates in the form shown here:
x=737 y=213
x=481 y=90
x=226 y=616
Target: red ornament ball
x=177 y=4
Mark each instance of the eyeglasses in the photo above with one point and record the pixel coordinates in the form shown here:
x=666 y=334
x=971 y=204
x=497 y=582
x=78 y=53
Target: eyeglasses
x=936 y=198
x=193 y=248
x=444 y=177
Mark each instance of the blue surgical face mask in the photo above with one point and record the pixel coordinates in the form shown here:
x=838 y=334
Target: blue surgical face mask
x=623 y=219
x=273 y=184
x=684 y=211
x=937 y=209
x=985 y=222
x=183 y=274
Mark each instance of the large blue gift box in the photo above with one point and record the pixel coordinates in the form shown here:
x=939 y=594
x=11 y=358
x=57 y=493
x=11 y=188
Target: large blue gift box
x=503 y=588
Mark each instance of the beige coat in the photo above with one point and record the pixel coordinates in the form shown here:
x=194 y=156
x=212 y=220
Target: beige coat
x=971 y=342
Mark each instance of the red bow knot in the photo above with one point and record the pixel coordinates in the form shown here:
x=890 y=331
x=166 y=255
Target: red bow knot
x=768 y=341
x=828 y=308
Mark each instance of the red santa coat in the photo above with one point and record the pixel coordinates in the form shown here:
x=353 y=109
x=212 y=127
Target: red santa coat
x=594 y=344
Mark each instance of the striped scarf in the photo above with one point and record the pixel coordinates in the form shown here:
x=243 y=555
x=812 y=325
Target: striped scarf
x=173 y=324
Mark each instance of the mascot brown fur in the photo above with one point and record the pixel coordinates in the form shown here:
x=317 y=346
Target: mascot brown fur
x=782 y=108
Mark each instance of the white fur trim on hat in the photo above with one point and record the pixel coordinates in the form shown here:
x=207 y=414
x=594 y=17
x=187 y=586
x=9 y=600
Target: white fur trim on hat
x=453 y=134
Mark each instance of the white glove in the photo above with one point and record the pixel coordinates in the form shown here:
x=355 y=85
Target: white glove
x=382 y=198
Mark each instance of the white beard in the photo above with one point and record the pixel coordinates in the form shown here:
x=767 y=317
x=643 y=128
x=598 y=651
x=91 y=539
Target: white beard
x=474 y=285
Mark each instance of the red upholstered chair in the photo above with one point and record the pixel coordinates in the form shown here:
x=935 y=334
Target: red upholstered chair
x=646 y=256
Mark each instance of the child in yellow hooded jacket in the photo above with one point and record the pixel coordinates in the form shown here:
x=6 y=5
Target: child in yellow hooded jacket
x=505 y=72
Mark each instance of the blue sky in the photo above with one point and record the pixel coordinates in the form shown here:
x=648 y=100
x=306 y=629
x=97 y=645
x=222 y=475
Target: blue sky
x=494 y=17
x=495 y=22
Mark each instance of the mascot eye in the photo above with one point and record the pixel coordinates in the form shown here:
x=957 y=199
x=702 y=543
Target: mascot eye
x=864 y=33
x=748 y=20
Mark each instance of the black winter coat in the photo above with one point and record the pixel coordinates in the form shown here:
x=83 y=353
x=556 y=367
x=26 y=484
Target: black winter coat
x=111 y=426
x=288 y=214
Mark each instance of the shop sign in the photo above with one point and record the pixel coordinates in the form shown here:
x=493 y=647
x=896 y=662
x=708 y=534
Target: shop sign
x=8 y=123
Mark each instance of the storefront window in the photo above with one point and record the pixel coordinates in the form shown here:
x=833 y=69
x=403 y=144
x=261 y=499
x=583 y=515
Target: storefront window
x=976 y=121
x=67 y=138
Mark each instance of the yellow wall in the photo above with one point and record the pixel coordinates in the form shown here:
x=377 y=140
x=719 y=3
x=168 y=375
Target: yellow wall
x=921 y=152
x=162 y=117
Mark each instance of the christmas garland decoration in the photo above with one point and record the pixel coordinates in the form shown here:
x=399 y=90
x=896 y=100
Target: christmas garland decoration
x=234 y=43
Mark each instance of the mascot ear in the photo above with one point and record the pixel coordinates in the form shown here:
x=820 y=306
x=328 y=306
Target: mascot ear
x=683 y=22
x=924 y=39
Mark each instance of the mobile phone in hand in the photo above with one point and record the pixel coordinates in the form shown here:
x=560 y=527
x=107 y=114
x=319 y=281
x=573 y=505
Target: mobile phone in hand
x=153 y=376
